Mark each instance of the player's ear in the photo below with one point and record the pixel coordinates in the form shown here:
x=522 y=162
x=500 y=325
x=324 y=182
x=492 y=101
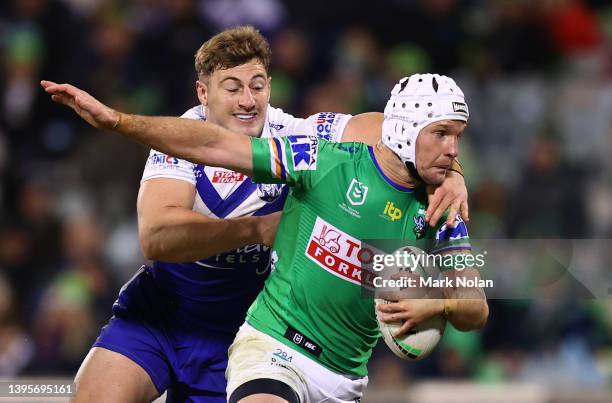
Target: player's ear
x=202 y=91
x=269 y=87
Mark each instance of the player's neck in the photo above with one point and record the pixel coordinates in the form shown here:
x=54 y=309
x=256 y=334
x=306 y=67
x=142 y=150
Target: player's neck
x=393 y=167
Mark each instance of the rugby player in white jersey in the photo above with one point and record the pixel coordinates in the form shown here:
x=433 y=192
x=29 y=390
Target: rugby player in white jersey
x=174 y=321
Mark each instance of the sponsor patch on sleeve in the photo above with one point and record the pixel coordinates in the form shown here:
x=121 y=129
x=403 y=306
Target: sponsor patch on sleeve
x=160 y=165
x=158 y=162
x=304 y=151
x=159 y=159
x=326 y=125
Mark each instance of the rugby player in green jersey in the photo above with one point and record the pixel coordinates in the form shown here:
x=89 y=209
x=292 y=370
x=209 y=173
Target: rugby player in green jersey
x=309 y=334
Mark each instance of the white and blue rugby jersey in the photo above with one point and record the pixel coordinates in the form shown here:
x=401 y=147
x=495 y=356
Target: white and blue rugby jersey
x=215 y=292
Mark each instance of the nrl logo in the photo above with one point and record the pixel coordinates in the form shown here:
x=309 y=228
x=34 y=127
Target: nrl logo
x=357 y=193
x=419 y=227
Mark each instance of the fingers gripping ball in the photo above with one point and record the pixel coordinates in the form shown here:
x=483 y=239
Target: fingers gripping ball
x=418 y=342
x=421 y=339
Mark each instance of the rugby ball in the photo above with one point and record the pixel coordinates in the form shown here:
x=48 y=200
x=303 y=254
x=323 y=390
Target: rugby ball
x=418 y=342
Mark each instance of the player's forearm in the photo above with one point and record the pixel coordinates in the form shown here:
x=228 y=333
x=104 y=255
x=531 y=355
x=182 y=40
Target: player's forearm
x=183 y=138
x=186 y=236
x=466 y=314
x=466 y=307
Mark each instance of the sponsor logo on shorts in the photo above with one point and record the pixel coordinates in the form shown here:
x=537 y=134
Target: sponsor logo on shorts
x=304 y=151
x=357 y=193
x=282 y=354
x=227 y=177
x=338 y=253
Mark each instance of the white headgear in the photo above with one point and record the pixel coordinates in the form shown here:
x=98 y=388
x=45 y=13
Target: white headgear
x=415 y=102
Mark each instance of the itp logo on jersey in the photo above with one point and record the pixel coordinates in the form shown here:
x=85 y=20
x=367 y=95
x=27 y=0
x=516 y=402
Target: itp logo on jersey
x=304 y=151
x=391 y=212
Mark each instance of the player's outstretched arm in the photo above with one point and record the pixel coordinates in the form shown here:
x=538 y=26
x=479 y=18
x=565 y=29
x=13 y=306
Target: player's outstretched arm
x=366 y=128
x=195 y=141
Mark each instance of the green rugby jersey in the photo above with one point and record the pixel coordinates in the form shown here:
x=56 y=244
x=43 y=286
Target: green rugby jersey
x=313 y=297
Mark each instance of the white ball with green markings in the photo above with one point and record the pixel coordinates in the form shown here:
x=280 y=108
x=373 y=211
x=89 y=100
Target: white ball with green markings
x=418 y=342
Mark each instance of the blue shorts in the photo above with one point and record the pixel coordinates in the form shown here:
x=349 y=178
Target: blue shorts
x=189 y=363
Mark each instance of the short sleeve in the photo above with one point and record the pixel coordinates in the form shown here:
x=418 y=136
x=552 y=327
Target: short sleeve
x=284 y=159
x=161 y=165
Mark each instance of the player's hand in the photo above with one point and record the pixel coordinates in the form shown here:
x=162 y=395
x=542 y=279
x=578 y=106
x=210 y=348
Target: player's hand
x=266 y=228
x=411 y=311
x=451 y=193
x=87 y=107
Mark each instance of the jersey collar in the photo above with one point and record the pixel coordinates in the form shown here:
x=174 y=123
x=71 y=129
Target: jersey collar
x=389 y=181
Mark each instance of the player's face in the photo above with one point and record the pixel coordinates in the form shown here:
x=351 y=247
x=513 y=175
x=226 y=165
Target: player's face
x=237 y=98
x=436 y=147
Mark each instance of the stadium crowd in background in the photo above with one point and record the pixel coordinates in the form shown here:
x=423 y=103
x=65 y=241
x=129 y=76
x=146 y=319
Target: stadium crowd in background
x=538 y=77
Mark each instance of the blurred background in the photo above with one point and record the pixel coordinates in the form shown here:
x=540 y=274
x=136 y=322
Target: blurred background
x=537 y=76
